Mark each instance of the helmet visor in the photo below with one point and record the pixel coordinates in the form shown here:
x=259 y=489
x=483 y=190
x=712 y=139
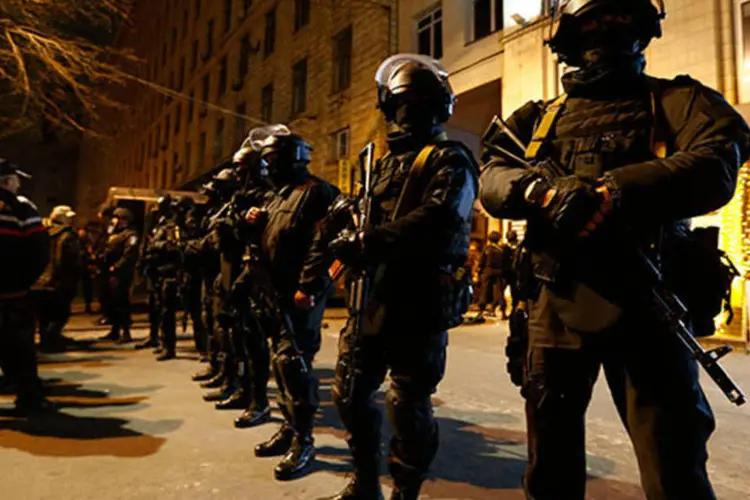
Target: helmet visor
x=258 y=137
x=391 y=65
x=576 y=7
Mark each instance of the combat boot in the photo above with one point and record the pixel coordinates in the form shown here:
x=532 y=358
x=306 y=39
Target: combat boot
x=405 y=493
x=359 y=490
x=252 y=417
x=35 y=405
x=147 y=344
x=215 y=382
x=222 y=393
x=167 y=355
x=205 y=375
x=301 y=455
x=125 y=338
x=237 y=401
x=113 y=335
x=278 y=444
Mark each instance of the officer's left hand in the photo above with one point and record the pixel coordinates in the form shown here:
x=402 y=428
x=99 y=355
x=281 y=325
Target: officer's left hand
x=604 y=209
x=256 y=216
x=303 y=301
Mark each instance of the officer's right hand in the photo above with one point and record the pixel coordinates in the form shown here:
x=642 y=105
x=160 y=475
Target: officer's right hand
x=256 y=216
x=568 y=203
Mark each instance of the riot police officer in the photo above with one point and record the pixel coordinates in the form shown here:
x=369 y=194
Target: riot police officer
x=415 y=247
x=218 y=193
x=160 y=214
x=24 y=251
x=618 y=161
x=228 y=250
x=103 y=292
x=121 y=257
x=299 y=280
x=190 y=217
x=167 y=254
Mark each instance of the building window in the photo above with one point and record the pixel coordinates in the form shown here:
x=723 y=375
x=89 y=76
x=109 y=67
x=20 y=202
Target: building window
x=197 y=9
x=175 y=168
x=182 y=73
x=342 y=60
x=209 y=40
x=219 y=139
x=157 y=138
x=167 y=128
x=301 y=14
x=206 y=88
x=239 y=124
x=194 y=61
x=223 y=76
x=340 y=144
x=745 y=45
x=430 y=33
x=244 y=57
x=191 y=107
x=299 y=87
x=177 y=118
x=246 y=4
x=488 y=17
x=266 y=103
x=270 y=39
x=201 y=151
x=227 y=15
x=188 y=157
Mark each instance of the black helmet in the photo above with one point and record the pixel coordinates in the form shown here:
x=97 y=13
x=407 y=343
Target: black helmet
x=105 y=211
x=185 y=204
x=494 y=237
x=512 y=236
x=123 y=213
x=417 y=79
x=278 y=143
x=642 y=19
x=226 y=179
x=164 y=204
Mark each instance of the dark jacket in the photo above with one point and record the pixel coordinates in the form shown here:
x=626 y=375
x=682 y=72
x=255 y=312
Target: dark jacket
x=417 y=254
x=24 y=244
x=606 y=132
x=287 y=241
x=65 y=264
x=121 y=255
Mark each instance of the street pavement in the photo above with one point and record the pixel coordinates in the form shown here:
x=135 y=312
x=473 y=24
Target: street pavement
x=132 y=428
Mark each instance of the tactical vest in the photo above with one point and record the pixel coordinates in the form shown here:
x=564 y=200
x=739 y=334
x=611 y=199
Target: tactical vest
x=587 y=137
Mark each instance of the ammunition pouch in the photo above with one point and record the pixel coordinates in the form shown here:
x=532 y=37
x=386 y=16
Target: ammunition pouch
x=701 y=275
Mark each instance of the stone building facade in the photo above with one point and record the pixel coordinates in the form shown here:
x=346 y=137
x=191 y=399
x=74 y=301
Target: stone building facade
x=210 y=70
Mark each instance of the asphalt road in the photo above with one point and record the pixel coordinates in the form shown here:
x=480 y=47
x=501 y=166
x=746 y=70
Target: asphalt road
x=132 y=428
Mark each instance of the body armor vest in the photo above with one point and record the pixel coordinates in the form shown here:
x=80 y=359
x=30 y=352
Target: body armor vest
x=587 y=137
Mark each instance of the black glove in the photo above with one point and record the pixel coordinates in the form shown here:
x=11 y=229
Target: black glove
x=347 y=247
x=339 y=215
x=549 y=170
x=573 y=203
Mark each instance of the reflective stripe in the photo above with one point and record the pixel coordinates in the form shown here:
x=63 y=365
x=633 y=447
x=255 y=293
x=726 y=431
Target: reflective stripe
x=22 y=223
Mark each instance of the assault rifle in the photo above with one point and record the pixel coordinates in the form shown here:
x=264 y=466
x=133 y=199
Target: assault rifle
x=668 y=307
x=359 y=284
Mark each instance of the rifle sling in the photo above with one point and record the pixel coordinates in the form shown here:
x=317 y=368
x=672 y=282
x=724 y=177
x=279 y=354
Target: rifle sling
x=409 y=194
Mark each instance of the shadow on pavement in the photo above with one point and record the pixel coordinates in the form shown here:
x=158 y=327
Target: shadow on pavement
x=475 y=462
x=64 y=435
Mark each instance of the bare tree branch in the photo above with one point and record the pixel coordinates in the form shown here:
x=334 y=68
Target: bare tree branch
x=55 y=62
